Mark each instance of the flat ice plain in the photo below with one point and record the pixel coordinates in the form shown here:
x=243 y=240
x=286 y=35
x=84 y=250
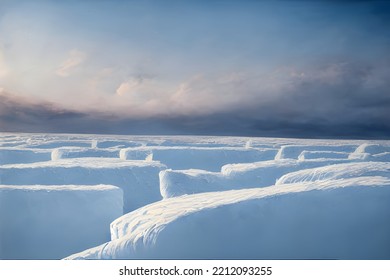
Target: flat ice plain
x=192 y=197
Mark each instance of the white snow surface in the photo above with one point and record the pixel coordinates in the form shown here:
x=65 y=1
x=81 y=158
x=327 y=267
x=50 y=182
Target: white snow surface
x=322 y=154
x=293 y=151
x=372 y=152
x=61 y=153
x=372 y=148
x=192 y=197
x=103 y=144
x=21 y=155
x=337 y=171
x=232 y=176
x=337 y=219
x=138 y=179
x=51 y=222
x=205 y=158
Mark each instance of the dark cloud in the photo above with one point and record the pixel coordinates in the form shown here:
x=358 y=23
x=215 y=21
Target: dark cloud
x=350 y=101
x=19 y=115
x=334 y=100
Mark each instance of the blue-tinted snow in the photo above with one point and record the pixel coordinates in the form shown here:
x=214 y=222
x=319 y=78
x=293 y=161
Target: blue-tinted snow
x=192 y=197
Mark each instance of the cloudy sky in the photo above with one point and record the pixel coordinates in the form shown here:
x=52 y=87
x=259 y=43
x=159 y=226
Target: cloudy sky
x=251 y=68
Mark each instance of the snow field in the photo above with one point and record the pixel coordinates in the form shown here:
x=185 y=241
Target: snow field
x=371 y=152
x=232 y=176
x=104 y=144
x=138 y=179
x=192 y=197
x=196 y=141
x=59 y=144
x=293 y=151
x=372 y=148
x=322 y=154
x=211 y=159
x=337 y=171
x=381 y=157
x=62 y=153
x=18 y=155
x=51 y=222
x=337 y=219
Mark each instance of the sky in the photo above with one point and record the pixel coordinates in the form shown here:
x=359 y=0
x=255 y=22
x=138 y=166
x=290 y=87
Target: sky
x=307 y=69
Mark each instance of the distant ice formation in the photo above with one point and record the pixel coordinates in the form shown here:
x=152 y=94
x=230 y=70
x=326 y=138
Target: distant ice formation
x=192 y=197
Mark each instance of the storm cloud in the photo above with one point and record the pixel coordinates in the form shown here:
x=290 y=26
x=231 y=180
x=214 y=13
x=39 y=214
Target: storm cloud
x=309 y=111
x=253 y=68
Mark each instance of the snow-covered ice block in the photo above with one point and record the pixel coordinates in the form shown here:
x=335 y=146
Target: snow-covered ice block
x=372 y=148
x=103 y=144
x=18 y=155
x=232 y=176
x=12 y=143
x=322 y=154
x=360 y=156
x=381 y=157
x=51 y=222
x=196 y=141
x=337 y=171
x=62 y=153
x=58 y=144
x=293 y=151
x=12 y=140
x=211 y=159
x=337 y=219
x=139 y=180
x=371 y=152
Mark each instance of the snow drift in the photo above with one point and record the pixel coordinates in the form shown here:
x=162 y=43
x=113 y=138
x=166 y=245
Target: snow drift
x=103 y=144
x=371 y=152
x=211 y=159
x=224 y=197
x=337 y=171
x=337 y=219
x=322 y=154
x=293 y=151
x=233 y=176
x=62 y=153
x=138 y=179
x=58 y=144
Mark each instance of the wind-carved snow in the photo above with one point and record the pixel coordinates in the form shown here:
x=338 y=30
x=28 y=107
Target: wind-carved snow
x=59 y=144
x=232 y=176
x=322 y=154
x=138 y=179
x=342 y=219
x=372 y=148
x=61 y=153
x=371 y=152
x=337 y=171
x=51 y=222
x=103 y=144
x=193 y=197
x=293 y=151
x=211 y=159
